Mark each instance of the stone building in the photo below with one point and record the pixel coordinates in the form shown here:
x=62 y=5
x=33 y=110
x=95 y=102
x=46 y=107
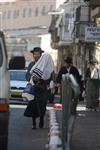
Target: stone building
x=68 y=32
x=25 y=24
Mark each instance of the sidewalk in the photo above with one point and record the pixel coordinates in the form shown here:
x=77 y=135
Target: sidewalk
x=87 y=131
x=86 y=135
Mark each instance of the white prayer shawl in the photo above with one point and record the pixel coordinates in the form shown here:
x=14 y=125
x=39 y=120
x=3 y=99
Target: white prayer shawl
x=95 y=74
x=43 y=67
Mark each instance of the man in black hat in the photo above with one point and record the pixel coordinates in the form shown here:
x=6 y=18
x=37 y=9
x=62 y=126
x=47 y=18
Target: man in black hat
x=68 y=68
x=91 y=85
x=33 y=105
x=92 y=65
x=37 y=52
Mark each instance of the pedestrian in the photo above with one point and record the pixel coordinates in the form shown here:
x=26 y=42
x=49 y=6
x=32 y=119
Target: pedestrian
x=69 y=68
x=92 y=86
x=40 y=74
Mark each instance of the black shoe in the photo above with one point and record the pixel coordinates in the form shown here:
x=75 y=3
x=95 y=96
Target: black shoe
x=41 y=125
x=34 y=127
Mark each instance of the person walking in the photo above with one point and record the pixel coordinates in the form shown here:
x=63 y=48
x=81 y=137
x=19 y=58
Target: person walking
x=40 y=74
x=31 y=110
x=92 y=86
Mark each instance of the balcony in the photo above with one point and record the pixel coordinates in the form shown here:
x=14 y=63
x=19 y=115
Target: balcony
x=94 y=2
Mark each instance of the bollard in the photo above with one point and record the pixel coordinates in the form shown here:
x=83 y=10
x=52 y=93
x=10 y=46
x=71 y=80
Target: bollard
x=70 y=91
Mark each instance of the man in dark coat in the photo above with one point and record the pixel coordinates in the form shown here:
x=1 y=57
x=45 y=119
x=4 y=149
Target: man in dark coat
x=68 y=68
x=37 y=107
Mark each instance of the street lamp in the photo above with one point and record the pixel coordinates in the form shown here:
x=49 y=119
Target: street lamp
x=1 y=21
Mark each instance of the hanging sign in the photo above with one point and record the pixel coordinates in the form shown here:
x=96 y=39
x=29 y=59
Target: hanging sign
x=92 y=34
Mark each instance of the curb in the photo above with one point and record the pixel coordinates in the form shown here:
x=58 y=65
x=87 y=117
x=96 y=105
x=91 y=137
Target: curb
x=54 y=135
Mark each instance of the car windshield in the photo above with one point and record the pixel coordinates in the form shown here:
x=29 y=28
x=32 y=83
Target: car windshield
x=18 y=75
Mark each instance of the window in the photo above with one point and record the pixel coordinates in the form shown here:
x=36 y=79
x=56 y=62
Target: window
x=24 y=13
x=51 y=8
x=29 y=12
x=18 y=75
x=44 y=11
x=9 y=14
x=66 y=24
x=16 y=14
x=36 y=11
x=4 y=15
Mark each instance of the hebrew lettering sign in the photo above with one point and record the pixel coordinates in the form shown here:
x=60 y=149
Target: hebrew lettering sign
x=92 y=34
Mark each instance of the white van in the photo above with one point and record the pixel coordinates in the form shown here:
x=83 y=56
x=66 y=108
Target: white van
x=4 y=94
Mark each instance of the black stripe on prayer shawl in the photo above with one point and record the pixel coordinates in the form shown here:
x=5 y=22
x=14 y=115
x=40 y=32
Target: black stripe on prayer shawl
x=34 y=75
x=37 y=73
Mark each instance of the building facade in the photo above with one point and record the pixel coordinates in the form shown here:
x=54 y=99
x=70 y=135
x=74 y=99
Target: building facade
x=68 y=32
x=25 y=22
x=95 y=13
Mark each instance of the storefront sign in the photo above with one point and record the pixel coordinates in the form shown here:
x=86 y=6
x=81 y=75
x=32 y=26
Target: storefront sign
x=92 y=34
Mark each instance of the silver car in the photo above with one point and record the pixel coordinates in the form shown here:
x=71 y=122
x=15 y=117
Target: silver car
x=17 y=83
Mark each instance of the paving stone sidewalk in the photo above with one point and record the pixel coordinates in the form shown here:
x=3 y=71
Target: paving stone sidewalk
x=86 y=135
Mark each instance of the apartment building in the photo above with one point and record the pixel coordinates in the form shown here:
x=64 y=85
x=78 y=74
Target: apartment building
x=95 y=13
x=68 y=31
x=25 y=22
x=27 y=14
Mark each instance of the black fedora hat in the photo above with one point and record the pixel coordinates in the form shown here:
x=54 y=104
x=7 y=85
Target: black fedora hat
x=93 y=62
x=68 y=60
x=37 y=49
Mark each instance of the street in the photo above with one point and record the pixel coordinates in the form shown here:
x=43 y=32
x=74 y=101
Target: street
x=86 y=135
x=21 y=136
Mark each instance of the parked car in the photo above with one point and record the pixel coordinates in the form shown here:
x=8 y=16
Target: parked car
x=17 y=83
x=17 y=62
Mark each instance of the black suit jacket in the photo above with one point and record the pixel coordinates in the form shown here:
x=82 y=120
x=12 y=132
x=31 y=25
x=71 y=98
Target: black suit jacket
x=73 y=71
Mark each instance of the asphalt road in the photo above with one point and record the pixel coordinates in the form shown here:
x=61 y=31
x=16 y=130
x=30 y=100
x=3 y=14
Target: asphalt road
x=86 y=135
x=20 y=135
